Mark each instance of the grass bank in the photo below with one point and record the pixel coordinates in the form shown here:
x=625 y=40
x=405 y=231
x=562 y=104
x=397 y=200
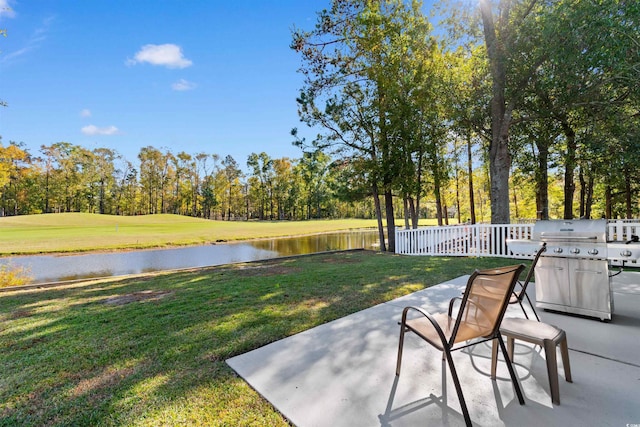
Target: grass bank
x=152 y=351
x=75 y=232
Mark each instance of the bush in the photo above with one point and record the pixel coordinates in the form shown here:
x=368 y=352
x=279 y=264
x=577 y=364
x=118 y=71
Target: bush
x=14 y=276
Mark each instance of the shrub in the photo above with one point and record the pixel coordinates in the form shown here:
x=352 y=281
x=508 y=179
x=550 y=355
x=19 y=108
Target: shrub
x=11 y=275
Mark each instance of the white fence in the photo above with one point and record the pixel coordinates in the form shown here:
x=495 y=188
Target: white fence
x=622 y=230
x=484 y=239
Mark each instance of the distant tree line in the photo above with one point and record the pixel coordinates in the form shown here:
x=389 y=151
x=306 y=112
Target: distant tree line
x=64 y=177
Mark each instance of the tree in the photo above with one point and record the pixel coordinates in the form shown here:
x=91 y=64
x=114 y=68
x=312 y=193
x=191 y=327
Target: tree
x=231 y=175
x=15 y=162
x=313 y=168
x=126 y=188
x=103 y=159
x=357 y=79
x=513 y=61
x=591 y=51
x=153 y=179
x=261 y=166
x=64 y=180
x=282 y=184
x=210 y=201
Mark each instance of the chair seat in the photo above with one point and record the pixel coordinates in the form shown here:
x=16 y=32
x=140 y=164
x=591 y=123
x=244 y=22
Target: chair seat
x=425 y=329
x=530 y=330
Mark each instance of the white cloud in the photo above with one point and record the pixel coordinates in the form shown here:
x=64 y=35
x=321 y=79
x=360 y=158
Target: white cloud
x=6 y=9
x=94 y=130
x=167 y=55
x=85 y=113
x=183 y=84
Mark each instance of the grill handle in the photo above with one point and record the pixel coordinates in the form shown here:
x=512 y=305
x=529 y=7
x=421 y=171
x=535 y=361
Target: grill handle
x=566 y=238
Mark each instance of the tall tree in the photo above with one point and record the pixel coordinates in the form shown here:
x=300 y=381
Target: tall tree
x=15 y=162
x=231 y=174
x=153 y=172
x=282 y=184
x=513 y=60
x=261 y=166
x=356 y=73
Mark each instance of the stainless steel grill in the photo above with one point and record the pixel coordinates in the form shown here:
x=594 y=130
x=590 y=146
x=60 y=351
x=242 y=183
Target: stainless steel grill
x=572 y=275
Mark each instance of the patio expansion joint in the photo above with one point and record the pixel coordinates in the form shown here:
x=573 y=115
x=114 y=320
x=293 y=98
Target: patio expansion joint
x=635 y=365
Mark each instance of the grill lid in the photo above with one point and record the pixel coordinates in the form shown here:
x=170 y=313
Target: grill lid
x=561 y=230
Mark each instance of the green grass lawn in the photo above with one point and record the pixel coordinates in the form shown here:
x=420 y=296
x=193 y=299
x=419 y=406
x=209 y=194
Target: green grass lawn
x=73 y=232
x=151 y=351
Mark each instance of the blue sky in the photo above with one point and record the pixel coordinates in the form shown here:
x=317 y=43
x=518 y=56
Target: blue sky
x=196 y=76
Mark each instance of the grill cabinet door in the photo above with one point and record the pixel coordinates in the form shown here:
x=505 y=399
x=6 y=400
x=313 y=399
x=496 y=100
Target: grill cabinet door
x=552 y=281
x=590 y=289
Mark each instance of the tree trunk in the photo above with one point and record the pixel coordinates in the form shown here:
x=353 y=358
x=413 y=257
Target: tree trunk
x=376 y=203
x=46 y=193
x=542 y=180
x=445 y=213
x=589 y=198
x=627 y=192
x=436 y=193
x=414 y=212
x=583 y=192
x=608 y=202
x=472 y=204
x=416 y=208
x=391 y=225
x=499 y=166
x=405 y=204
x=458 y=193
x=515 y=202
x=570 y=165
x=499 y=157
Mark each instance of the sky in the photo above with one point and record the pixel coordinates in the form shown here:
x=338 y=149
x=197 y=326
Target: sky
x=212 y=76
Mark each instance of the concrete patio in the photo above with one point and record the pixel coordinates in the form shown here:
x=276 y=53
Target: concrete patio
x=343 y=373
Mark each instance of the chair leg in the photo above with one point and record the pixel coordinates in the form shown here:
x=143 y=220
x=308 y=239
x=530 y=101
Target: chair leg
x=512 y=372
x=510 y=347
x=494 y=358
x=456 y=382
x=400 y=347
x=552 y=370
x=564 y=351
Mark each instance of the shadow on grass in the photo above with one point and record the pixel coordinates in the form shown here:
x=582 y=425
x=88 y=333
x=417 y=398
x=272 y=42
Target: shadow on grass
x=68 y=357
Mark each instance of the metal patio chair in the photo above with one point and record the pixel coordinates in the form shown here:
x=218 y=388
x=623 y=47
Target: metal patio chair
x=517 y=296
x=481 y=310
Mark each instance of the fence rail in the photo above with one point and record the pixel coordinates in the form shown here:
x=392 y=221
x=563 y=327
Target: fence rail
x=485 y=239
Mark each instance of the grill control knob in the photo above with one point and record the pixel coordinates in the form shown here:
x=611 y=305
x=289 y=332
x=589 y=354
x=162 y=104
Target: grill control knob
x=626 y=253
x=593 y=251
x=575 y=251
x=557 y=250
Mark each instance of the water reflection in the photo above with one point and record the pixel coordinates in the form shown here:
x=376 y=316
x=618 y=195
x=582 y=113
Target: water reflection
x=49 y=268
x=319 y=243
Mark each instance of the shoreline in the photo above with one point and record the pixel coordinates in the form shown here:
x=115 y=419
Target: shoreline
x=94 y=280
x=173 y=245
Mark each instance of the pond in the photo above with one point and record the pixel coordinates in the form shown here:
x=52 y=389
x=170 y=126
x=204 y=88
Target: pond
x=53 y=268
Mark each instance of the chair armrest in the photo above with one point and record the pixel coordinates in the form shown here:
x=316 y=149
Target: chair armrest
x=438 y=329
x=451 y=302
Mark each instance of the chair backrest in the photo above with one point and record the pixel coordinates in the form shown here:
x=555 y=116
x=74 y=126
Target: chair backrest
x=529 y=276
x=484 y=303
